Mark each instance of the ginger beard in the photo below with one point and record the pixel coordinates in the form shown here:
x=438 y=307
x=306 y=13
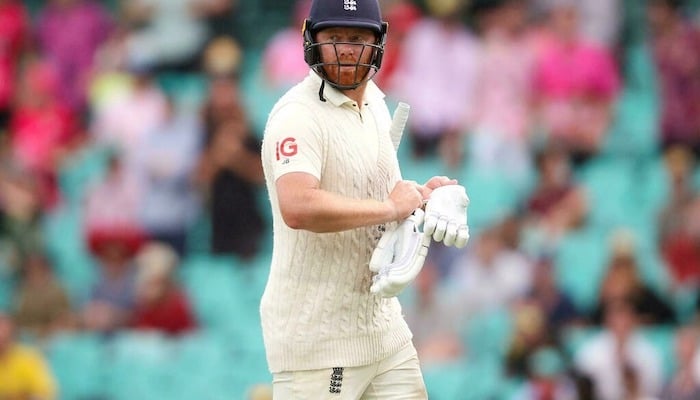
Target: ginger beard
x=346 y=64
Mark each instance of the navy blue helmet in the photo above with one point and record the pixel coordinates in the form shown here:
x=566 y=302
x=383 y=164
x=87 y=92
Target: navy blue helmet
x=344 y=13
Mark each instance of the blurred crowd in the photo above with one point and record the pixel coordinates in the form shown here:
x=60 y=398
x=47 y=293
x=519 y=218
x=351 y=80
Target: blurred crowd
x=575 y=108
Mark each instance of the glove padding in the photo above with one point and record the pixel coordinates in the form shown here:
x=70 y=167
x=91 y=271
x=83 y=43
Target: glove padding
x=399 y=256
x=446 y=216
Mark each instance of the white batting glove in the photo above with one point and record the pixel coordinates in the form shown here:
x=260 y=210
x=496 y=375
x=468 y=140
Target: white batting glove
x=399 y=256
x=446 y=216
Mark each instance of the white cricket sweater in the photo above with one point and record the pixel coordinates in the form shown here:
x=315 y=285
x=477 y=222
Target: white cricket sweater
x=317 y=311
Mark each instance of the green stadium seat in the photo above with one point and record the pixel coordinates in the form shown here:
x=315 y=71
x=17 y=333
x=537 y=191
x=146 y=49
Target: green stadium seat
x=73 y=264
x=607 y=183
x=491 y=197
x=138 y=366
x=487 y=335
x=464 y=379
x=580 y=263
x=79 y=171
x=78 y=362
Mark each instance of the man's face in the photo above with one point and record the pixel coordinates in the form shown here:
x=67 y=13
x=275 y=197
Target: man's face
x=345 y=53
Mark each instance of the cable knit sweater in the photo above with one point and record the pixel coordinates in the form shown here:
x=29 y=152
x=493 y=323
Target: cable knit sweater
x=317 y=311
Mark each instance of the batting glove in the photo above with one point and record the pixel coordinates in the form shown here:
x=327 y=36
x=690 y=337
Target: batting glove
x=446 y=216
x=399 y=256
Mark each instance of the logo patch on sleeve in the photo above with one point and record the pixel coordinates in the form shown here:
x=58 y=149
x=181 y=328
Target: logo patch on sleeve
x=286 y=148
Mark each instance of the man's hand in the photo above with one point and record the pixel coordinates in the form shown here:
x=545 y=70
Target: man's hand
x=405 y=198
x=438 y=181
x=446 y=216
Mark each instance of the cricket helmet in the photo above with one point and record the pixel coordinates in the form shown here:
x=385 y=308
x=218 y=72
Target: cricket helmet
x=344 y=13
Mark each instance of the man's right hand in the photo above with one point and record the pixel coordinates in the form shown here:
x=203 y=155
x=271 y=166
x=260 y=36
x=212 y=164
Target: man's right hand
x=405 y=198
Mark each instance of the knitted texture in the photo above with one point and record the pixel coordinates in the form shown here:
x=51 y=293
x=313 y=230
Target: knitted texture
x=317 y=311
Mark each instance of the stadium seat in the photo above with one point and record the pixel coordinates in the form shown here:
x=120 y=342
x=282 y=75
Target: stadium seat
x=607 y=183
x=7 y=283
x=79 y=364
x=65 y=245
x=487 y=335
x=77 y=173
x=580 y=263
x=492 y=197
x=464 y=379
x=138 y=366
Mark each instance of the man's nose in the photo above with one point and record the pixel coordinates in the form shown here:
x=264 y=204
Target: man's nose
x=345 y=49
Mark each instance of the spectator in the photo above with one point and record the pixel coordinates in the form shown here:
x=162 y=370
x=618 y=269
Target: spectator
x=576 y=84
x=433 y=320
x=161 y=304
x=679 y=164
x=684 y=384
x=601 y=21
x=501 y=118
x=113 y=235
x=676 y=50
x=439 y=104
x=111 y=207
x=401 y=15
x=679 y=238
x=124 y=121
x=489 y=277
x=623 y=283
x=112 y=297
x=556 y=205
x=164 y=163
x=165 y=35
x=20 y=217
x=283 y=64
x=219 y=16
x=24 y=373
x=618 y=360
x=14 y=30
x=42 y=305
x=547 y=378
x=529 y=334
x=69 y=32
x=558 y=308
x=222 y=56
x=42 y=128
x=230 y=172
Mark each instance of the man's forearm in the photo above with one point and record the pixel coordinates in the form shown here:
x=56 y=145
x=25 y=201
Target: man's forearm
x=321 y=211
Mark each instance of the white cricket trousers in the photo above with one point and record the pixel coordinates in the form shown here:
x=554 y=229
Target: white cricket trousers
x=397 y=377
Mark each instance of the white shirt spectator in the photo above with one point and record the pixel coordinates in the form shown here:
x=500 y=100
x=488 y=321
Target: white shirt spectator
x=599 y=360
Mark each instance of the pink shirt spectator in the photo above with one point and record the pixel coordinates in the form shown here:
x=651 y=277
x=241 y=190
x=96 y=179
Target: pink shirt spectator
x=283 y=61
x=572 y=80
x=69 y=34
x=439 y=87
x=40 y=124
x=504 y=87
x=38 y=132
x=13 y=27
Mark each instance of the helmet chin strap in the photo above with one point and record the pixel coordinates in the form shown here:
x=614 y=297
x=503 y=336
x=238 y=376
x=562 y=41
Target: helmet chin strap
x=320 y=90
